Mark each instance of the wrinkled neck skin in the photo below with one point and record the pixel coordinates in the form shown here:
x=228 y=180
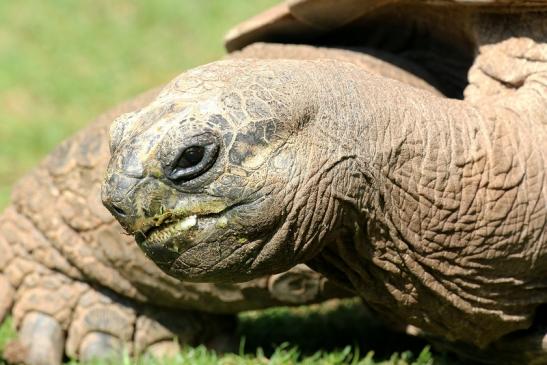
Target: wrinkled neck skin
x=440 y=205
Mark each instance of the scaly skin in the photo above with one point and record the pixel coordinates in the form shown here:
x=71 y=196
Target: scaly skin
x=66 y=265
x=434 y=210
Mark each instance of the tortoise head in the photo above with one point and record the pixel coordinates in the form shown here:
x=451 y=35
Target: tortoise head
x=207 y=176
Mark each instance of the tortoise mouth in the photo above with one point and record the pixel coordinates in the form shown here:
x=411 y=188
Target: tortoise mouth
x=167 y=229
x=174 y=234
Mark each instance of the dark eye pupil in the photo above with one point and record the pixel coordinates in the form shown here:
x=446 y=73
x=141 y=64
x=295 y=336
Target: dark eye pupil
x=191 y=157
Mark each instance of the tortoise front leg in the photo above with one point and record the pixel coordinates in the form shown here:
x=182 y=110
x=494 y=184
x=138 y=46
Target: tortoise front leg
x=105 y=324
x=42 y=310
x=56 y=315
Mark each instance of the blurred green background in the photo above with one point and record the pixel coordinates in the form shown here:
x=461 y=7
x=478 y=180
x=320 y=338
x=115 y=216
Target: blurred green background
x=62 y=62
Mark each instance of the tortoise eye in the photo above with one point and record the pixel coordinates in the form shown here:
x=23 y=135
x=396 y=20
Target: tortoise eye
x=194 y=160
x=190 y=157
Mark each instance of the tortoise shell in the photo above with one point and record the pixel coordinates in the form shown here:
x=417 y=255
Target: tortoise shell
x=304 y=20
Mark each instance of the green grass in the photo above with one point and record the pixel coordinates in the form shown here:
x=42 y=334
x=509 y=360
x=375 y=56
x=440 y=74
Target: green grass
x=6 y=333
x=284 y=355
x=330 y=333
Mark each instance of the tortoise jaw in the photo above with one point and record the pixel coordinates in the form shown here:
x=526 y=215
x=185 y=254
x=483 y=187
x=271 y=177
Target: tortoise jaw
x=160 y=223
x=187 y=216
x=167 y=228
x=165 y=242
x=171 y=234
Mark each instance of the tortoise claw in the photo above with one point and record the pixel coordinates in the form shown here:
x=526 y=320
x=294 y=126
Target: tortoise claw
x=100 y=345
x=163 y=350
x=41 y=340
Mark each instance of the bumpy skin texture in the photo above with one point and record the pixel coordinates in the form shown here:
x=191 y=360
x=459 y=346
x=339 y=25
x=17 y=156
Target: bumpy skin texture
x=434 y=210
x=76 y=284
x=371 y=60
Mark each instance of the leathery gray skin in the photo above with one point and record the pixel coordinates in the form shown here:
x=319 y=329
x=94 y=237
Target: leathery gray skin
x=434 y=210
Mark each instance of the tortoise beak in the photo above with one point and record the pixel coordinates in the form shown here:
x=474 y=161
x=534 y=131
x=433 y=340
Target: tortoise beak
x=115 y=194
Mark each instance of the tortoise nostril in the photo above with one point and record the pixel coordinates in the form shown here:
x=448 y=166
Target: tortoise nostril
x=119 y=211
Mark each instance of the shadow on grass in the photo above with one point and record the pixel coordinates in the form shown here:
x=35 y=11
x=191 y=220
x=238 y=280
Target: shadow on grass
x=325 y=327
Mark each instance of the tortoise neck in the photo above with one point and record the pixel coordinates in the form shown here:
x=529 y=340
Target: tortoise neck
x=407 y=173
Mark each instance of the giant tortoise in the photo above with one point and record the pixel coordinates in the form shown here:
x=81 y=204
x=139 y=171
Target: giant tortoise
x=76 y=285
x=433 y=208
